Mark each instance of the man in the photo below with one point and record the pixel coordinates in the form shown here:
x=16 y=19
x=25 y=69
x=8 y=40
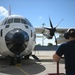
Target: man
x=68 y=50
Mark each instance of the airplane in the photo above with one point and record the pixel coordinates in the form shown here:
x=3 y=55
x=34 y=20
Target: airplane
x=18 y=37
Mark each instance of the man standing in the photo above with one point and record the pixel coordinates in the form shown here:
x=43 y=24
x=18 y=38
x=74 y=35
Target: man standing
x=68 y=50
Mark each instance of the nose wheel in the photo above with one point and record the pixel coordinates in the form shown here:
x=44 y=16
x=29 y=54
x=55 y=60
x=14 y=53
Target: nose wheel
x=12 y=61
x=15 y=60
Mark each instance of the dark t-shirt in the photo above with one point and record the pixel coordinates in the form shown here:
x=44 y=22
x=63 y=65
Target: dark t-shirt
x=68 y=50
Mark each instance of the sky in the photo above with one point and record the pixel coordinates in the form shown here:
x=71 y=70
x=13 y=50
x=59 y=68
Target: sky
x=39 y=11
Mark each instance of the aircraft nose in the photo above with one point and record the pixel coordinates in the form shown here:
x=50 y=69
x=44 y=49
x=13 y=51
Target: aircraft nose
x=17 y=40
x=19 y=37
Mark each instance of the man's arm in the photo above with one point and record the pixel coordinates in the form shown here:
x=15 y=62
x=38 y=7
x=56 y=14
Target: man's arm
x=56 y=57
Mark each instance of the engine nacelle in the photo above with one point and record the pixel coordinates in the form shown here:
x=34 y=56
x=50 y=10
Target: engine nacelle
x=46 y=33
x=49 y=37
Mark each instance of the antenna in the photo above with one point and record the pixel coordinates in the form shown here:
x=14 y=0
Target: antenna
x=9 y=11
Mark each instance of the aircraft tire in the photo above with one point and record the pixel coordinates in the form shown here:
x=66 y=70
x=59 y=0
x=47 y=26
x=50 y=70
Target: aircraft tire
x=12 y=61
x=27 y=56
x=18 y=60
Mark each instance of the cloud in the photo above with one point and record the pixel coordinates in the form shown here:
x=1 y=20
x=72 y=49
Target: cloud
x=40 y=17
x=3 y=12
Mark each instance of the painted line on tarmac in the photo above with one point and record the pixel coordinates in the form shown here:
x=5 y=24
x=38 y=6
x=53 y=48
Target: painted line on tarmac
x=22 y=70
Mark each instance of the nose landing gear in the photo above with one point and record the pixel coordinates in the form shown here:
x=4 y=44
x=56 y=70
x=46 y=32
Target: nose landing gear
x=15 y=60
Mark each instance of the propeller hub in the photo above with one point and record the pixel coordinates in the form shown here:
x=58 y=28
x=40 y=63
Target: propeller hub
x=52 y=31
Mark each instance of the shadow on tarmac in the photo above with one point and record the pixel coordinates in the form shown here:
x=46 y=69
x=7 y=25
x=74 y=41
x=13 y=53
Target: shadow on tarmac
x=30 y=66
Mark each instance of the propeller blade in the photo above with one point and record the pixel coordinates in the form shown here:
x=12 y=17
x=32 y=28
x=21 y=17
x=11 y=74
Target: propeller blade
x=55 y=39
x=59 y=23
x=50 y=23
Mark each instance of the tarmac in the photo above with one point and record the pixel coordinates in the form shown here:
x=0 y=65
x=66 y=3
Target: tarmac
x=32 y=66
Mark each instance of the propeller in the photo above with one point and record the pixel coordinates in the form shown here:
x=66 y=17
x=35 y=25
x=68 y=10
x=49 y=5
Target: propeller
x=53 y=29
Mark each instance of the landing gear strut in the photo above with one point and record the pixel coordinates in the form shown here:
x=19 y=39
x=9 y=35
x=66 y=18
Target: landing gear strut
x=18 y=59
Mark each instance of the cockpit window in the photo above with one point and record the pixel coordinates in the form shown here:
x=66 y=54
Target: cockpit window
x=28 y=23
x=5 y=22
x=23 y=21
x=16 y=20
x=10 y=21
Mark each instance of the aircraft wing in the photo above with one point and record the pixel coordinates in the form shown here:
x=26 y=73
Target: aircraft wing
x=61 y=30
x=58 y=30
x=39 y=30
x=49 y=32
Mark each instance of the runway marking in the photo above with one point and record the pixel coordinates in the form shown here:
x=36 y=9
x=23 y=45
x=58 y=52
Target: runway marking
x=22 y=70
